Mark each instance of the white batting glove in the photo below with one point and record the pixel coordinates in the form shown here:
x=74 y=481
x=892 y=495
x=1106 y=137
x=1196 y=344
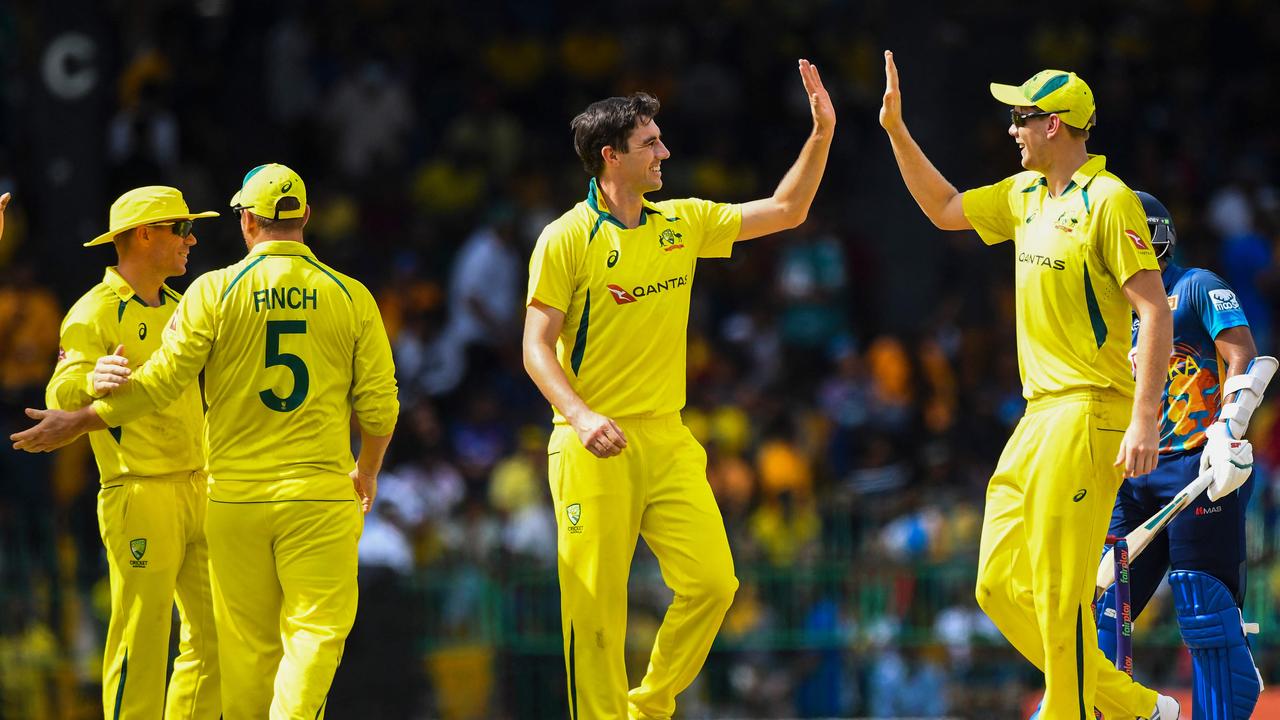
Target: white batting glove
x=1231 y=460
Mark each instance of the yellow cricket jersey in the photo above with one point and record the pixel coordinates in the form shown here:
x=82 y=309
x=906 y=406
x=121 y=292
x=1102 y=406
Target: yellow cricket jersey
x=164 y=444
x=290 y=347
x=1073 y=254
x=625 y=296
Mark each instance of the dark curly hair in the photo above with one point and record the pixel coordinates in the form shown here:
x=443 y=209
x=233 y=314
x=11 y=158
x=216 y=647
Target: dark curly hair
x=609 y=122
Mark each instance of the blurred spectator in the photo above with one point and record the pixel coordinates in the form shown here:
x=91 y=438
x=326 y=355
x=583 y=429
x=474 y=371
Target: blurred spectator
x=486 y=289
x=370 y=114
x=785 y=528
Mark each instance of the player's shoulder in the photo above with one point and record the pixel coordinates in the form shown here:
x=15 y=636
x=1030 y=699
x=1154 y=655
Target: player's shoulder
x=347 y=285
x=674 y=206
x=1026 y=181
x=576 y=223
x=1203 y=279
x=1107 y=188
x=99 y=302
x=217 y=281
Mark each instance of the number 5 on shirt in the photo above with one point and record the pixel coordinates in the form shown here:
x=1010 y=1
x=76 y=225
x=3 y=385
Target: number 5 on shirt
x=301 y=381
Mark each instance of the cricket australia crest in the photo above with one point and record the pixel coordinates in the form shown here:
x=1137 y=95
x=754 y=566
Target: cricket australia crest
x=574 y=513
x=138 y=547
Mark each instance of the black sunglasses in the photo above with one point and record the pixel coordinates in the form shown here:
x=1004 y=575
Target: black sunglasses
x=1020 y=119
x=181 y=228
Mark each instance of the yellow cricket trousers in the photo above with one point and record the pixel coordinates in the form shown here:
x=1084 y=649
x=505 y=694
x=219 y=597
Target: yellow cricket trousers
x=153 y=530
x=284 y=596
x=656 y=488
x=1048 y=507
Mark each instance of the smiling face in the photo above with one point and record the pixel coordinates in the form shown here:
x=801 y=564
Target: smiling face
x=166 y=250
x=1031 y=137
x=639 y=165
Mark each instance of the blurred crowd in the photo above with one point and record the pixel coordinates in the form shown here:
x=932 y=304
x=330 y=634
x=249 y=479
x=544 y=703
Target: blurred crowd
x=853 y=381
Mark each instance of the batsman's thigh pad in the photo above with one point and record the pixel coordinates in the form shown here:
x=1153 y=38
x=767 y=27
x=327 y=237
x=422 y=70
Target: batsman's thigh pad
x=1226 y=681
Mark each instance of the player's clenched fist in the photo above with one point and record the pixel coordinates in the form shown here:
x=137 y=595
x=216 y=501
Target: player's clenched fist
x=110 y=372
x=599 y=435
x=1138 y=449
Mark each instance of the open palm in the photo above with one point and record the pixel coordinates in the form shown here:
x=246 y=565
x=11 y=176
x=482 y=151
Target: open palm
x=4 y=203
x=891 y=109
x=824 y=113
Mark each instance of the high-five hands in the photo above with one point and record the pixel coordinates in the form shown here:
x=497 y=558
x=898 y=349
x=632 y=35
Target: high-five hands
x=4 y=203
x=891 y=105
x=824 y=113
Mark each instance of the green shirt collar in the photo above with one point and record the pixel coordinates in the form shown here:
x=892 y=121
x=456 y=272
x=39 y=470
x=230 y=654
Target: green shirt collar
x=114 y=280
x=1080 y=178
x=595 y=201
x=282 y=247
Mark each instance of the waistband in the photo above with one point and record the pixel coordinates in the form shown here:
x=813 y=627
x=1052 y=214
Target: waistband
x=323 y=487
x=640 y=421
x=1079 y=396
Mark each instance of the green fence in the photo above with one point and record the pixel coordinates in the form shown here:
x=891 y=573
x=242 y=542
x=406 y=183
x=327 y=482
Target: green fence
x=519 y=610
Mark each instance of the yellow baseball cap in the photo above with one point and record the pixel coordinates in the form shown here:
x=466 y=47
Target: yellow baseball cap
x=272 y=191
x=146 y=206
x=1056 y=91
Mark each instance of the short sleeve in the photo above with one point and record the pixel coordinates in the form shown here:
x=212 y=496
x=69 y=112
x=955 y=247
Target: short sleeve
x=1216 y=304
x=989 y=210
x=718 y=225
x=550 y=274
x=1122 y=238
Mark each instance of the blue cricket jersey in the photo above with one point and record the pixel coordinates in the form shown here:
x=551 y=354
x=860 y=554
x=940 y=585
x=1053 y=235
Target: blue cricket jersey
x=1203 y=306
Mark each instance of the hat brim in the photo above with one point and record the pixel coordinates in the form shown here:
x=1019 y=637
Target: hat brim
x=1010 y=95
x=110 y=235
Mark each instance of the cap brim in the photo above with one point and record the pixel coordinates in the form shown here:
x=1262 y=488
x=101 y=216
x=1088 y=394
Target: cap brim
x=110 y=235
x=1010 y=95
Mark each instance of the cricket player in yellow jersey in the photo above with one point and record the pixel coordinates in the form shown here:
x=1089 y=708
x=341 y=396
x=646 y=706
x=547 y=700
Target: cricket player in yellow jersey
x=151 y=508
x=290 y=349
x=604 y=340
x=1084 y=257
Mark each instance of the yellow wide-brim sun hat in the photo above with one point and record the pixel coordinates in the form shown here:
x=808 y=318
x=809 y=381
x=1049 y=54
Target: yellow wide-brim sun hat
x=148 y=205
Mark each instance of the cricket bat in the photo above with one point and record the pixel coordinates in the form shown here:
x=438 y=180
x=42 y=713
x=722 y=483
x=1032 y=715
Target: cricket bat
x=1140 y=537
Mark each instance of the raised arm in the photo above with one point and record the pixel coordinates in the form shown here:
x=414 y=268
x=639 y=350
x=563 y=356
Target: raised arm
x=937 y=197
x=789 y=204
x=542 y=325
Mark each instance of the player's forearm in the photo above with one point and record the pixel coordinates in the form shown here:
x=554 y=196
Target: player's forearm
x=126 y=404
x=1155 y=343
x=545 y=371
x=931 y=191
x=796 y=190
x=373 y=448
